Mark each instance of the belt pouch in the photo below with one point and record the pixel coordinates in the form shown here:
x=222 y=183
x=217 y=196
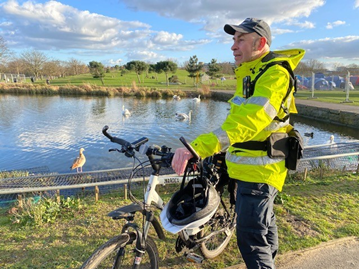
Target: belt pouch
x=295 y=144
x=277 y=145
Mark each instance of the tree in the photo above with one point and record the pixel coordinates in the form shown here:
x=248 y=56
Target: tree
x=303 y=69
x=4 y=51
x=166 y=67
x=315 y=65
x=97 y=70
x=34 y=61
x=228 y=68
x=16 y=66
x=53 y=68
x=76 y=67
x=213 y=69
x=151 y=69
x=138 y=67
x=194 y=67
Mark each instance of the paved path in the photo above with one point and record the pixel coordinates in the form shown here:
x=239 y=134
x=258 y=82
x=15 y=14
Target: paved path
x=336 y=254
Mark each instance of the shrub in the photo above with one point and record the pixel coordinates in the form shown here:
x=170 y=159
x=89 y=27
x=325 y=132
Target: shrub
x=45 y=210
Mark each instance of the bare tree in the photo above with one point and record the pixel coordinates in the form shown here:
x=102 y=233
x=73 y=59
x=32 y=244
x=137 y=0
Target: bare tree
x=76 y=67
x=16 y=66
x=303 y=69
x=34 y=61
x=53 y=69
x=4 y=51
x=315 y=65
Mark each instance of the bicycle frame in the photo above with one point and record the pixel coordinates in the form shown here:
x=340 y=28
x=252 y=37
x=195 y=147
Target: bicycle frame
x=159 y=158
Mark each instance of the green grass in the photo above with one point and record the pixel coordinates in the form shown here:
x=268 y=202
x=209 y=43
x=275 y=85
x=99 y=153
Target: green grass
x=337 y=96
x=308 y=212
x=114 y=79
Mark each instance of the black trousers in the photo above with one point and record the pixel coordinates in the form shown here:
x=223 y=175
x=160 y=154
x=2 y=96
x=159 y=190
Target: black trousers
x=257 y=234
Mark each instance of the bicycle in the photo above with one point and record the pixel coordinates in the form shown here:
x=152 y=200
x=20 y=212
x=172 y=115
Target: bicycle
x=134 y=248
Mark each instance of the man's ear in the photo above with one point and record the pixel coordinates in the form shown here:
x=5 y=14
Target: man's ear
x=262 y=43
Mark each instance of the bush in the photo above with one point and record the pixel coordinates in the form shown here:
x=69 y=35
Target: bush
x=45 y=210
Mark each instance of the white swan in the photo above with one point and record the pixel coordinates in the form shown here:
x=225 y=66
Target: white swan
x=331 y=140
x=197 y=99
x=176 y=97
x=125 y=111
x=184 y=116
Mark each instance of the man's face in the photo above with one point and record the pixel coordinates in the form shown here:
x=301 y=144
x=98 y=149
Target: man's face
x=244 y=47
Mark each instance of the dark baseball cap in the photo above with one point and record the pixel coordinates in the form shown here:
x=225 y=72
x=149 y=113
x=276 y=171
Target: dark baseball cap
x=251 y=25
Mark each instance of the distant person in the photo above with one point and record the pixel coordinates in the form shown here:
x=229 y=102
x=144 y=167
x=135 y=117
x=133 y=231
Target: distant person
x=258 y=112
x=48 y=82
x=32 y=79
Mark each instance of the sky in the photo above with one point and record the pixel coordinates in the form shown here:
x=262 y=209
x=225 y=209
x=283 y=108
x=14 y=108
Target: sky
x=118 y=31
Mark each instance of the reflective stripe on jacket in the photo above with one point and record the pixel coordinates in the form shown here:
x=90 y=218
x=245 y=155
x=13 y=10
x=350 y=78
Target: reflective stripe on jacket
x=252 y=119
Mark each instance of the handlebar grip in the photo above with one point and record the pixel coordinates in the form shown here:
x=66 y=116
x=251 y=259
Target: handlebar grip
x=189 y=147
x=105 y=133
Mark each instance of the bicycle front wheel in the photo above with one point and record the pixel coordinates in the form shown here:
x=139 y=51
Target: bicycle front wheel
x=221 y=228
x=119 y=253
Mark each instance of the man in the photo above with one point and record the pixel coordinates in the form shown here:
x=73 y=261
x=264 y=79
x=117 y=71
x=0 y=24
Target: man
x=244 y=133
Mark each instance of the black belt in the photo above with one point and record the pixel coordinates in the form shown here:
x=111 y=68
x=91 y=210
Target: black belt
x=252 y=145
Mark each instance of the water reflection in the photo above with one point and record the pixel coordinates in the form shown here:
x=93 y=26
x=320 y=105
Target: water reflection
x=49 y=131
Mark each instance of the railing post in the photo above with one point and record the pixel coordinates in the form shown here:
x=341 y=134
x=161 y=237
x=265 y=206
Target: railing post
x=58 y=198
x=19 y=198
x=125 y=191
x=97 y=191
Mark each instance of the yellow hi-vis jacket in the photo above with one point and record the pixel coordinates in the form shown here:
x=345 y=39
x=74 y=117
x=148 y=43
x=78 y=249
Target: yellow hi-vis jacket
x=253 y=119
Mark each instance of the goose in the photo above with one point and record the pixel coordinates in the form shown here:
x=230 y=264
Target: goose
x=184 y=116
x=125 y=111
x=309 y=134
x=79 y=161
x=176 y=97
x=197 y=99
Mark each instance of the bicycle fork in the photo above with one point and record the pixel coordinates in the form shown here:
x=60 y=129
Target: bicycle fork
x=140 y=239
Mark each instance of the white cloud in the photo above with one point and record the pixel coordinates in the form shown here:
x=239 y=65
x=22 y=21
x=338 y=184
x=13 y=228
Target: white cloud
x=56 y=26
x=115 y=62
x=278 y=31
x=167 y=38
x=356 y=4
x=147 y=56
x=330 y=25
x=213 y=14
x=305 y=24
x=330 y=48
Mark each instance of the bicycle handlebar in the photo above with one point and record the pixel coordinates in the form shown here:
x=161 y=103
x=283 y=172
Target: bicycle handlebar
x=190 y=149
x=128 y=148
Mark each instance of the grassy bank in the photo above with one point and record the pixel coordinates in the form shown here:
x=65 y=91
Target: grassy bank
x=308 y=212
x=337 y=96
x=115 y=84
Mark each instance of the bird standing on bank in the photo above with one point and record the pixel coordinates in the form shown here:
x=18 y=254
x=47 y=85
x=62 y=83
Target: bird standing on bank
x=79 y=161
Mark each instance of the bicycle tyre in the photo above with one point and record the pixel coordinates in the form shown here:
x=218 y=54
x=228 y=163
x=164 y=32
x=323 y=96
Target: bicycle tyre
x=105 y=255
x=217 y=243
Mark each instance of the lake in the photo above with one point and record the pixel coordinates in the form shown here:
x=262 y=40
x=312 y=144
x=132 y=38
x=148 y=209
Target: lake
x=37 y=131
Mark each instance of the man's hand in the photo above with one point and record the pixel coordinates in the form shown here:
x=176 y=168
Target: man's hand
x=180 y=160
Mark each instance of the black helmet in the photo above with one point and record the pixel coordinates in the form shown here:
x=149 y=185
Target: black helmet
x=194 y=204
